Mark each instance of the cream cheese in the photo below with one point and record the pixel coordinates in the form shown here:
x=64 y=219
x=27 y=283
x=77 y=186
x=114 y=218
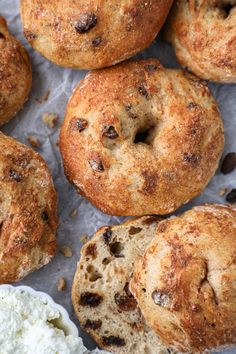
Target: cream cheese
x=27 y=325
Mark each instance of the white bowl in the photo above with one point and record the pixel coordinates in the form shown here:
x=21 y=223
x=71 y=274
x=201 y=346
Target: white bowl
x=63 y=322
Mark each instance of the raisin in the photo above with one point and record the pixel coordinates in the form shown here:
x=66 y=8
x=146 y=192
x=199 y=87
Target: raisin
x=160 y=298
x=124 y=302
x=113 y=340
x=45 y=216
x=91 y=250
x=90 y=299
x=151 y=67
x=2 y=36
x=231 y=197
x=15 y=175
x=86 y=22
x=96 y=41
x=96 y=166
x=93 y=324
x=143 y=91
x=107 y=235
x=229 y=163
x=134 y=230
x=110 y=132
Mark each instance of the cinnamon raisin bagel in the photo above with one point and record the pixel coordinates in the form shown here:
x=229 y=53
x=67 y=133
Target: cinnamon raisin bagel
x=89 y=34
x=28 y=204
x=185 y=283
x=15 y=74
x=140 y=139
x=203 y=34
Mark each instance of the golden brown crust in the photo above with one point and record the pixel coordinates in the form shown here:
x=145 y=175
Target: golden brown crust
x=123 y=172
x=15 y=74
x=203 y=34
x=28 y=204
x=92 y=34
x=185 y=283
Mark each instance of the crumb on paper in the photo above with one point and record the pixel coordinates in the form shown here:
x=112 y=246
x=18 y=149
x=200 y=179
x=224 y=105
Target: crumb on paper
x=50 y=119
x=44 y=98
x=73 y=213
x=223 y=191
x=66 y=251
x=84 y=239
x=61 y=285
x=34 y=141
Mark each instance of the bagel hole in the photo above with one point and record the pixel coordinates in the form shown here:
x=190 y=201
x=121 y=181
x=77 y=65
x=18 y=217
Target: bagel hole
x=226 y=8
x=145 y=135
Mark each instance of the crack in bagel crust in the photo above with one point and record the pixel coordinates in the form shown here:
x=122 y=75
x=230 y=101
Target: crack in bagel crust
x=203 y=34
x=188 y=272
x=141 y=154
x=28 y=205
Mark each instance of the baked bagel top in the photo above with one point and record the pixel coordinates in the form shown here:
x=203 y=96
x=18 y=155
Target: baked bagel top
x=185 y=283
x=203 y=34
x=141 y=139
x=15 y=74
x=28 y=204
x=92 y=34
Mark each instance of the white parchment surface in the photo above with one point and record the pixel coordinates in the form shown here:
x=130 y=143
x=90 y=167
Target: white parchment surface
x=60 y=83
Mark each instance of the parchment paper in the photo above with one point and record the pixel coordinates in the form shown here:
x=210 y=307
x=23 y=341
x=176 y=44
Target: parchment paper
x=60 y=83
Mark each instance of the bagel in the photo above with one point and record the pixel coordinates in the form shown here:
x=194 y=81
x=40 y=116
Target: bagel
x=185 y=283
x=140 y=139
x=89 y=34
x=100 y=292
x=15 y=74
x=203 y=34
x=28 y=204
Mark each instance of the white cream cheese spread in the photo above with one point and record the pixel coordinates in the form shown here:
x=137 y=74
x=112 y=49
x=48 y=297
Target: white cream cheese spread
x=28 y=325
